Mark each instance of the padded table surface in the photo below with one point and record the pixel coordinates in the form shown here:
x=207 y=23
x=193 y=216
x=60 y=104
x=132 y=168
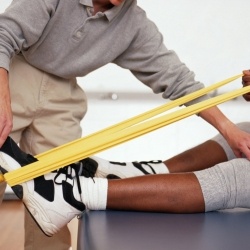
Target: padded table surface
x=124 y=230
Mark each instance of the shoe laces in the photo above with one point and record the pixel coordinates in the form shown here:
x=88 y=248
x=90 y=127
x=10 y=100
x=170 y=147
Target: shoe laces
x=89 y=168
x=72 y=172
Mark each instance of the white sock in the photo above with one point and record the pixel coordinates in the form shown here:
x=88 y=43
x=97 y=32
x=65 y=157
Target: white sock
x=94 y=193
x=128 y=169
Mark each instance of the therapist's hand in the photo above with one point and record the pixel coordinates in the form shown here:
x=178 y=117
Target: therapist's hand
x=246 y=82
x=6 y=119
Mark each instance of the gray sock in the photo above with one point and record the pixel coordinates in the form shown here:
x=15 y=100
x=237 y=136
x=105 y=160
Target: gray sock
x=226 y=185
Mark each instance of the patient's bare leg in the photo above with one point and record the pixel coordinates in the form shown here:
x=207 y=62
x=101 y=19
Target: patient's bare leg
x=176 y=193
x=200 y=157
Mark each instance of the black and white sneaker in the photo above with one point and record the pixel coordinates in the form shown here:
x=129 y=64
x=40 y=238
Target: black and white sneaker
x=53 y=200
x=98 y=167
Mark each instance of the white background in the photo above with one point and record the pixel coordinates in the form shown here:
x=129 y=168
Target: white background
x=211 y=37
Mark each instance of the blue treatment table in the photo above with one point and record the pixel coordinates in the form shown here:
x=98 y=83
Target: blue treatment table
x=124 y=230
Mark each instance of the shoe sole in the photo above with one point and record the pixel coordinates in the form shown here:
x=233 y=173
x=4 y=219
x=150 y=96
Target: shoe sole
x=31 y=203
x=38 y=214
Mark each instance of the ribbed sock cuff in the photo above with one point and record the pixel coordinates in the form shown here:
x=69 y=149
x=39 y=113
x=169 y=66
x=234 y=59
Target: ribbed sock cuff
x=95 y=192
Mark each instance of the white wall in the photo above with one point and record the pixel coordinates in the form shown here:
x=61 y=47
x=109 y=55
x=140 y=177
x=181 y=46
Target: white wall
x=210 y=37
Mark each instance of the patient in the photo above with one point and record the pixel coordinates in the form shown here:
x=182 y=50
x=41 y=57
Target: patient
x=201 y=179
x=204 y=178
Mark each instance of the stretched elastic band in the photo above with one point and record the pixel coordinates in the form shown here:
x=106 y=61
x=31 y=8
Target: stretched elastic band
x=117 y=134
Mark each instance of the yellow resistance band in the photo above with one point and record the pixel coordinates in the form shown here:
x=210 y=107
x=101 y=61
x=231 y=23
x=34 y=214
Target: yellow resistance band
x=98 y=142
x=149 y=114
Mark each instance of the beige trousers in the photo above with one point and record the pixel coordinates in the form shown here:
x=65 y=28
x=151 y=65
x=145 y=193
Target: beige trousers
x=47 y=111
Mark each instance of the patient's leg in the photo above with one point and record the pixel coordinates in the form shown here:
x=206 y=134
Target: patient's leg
x=174 y=193
x=226 y=185
x=205 y=155
x=200 y=157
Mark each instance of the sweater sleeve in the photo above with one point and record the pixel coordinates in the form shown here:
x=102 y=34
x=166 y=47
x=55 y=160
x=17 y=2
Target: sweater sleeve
x=21 y=25
x=157 y=67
